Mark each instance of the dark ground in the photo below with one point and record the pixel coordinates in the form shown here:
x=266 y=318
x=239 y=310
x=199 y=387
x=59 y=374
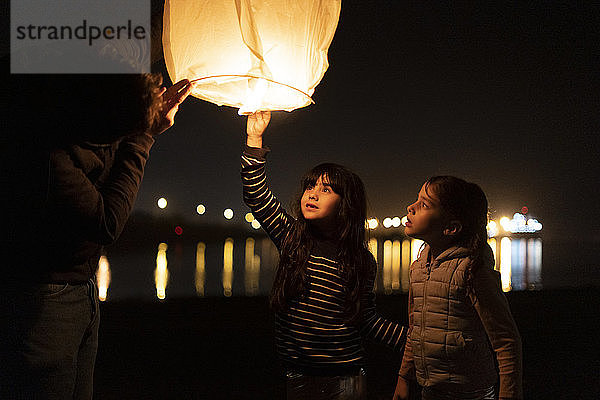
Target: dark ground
x=219 y=348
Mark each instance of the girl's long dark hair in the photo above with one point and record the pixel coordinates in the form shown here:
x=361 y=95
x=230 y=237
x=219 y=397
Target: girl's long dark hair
x=353 y=257
x=466 y=202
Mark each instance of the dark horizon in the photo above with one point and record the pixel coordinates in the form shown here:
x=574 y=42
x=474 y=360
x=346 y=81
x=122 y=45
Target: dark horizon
x=502 y=95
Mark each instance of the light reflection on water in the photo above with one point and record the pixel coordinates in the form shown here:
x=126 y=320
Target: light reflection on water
x=246 y=267
x=228 y=267
x=251 y=269
x=161 y=273
x=200 y=276
x=103 y=277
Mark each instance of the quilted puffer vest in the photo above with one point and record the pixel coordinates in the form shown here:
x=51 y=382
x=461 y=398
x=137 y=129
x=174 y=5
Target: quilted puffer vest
x=449 y=343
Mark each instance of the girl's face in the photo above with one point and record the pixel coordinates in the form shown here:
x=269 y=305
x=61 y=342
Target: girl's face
x=320 y=204
x=426 y=220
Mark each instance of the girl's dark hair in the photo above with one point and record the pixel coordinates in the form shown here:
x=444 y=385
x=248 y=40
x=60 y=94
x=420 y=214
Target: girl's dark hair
x=353 y=256
x=466 y=202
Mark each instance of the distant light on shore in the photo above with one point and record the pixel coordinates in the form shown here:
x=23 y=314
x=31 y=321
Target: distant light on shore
x=519 y=224
x=228 y=213
x=200 y=209
x=492 y=228
x=372 y=223
x=387 y=222
x=162 y=202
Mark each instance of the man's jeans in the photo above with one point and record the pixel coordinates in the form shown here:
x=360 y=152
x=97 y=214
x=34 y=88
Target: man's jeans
x=48 y=340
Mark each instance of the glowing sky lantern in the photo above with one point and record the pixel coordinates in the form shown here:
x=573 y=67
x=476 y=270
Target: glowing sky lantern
x=250 y=54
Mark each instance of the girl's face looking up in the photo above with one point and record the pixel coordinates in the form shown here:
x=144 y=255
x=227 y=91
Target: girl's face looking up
x=320 y=204
x=426 y=220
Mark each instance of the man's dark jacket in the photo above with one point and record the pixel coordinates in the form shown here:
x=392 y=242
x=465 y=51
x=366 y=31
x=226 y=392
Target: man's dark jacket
x=89 y=192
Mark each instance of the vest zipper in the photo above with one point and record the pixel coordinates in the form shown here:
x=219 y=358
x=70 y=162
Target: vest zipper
x=423 y=321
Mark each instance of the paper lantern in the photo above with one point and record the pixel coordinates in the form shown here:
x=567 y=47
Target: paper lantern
x=250 y=54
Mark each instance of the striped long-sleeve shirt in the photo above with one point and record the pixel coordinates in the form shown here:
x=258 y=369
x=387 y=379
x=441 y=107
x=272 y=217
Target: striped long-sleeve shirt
x=313 y=333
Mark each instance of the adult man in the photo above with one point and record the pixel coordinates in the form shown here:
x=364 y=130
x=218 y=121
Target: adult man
x=74 y=166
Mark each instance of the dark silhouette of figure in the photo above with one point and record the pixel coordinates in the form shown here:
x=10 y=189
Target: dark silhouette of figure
x=73 y=158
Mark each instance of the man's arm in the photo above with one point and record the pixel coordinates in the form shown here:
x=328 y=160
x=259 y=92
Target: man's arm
x=99 y=212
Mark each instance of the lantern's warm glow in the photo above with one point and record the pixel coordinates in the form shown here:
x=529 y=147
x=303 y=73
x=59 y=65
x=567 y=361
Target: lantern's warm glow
x=250 y=54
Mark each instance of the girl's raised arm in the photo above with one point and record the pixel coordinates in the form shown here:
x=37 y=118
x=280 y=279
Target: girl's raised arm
x=265 y=207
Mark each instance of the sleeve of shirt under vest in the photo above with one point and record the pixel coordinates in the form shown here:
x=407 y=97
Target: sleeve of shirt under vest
x=494 y=312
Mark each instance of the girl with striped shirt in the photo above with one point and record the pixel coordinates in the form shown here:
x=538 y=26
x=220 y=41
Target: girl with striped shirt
x=323 y=290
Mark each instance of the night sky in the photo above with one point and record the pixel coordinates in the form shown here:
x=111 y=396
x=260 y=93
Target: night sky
x=506 y=96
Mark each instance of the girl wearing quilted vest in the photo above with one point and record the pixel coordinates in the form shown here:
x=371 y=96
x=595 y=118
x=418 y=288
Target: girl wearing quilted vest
x=323 y=290
x=463 y=342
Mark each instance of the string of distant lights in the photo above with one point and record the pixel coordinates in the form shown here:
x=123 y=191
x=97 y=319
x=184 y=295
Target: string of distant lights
x=395 y=253
x=519 y=223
